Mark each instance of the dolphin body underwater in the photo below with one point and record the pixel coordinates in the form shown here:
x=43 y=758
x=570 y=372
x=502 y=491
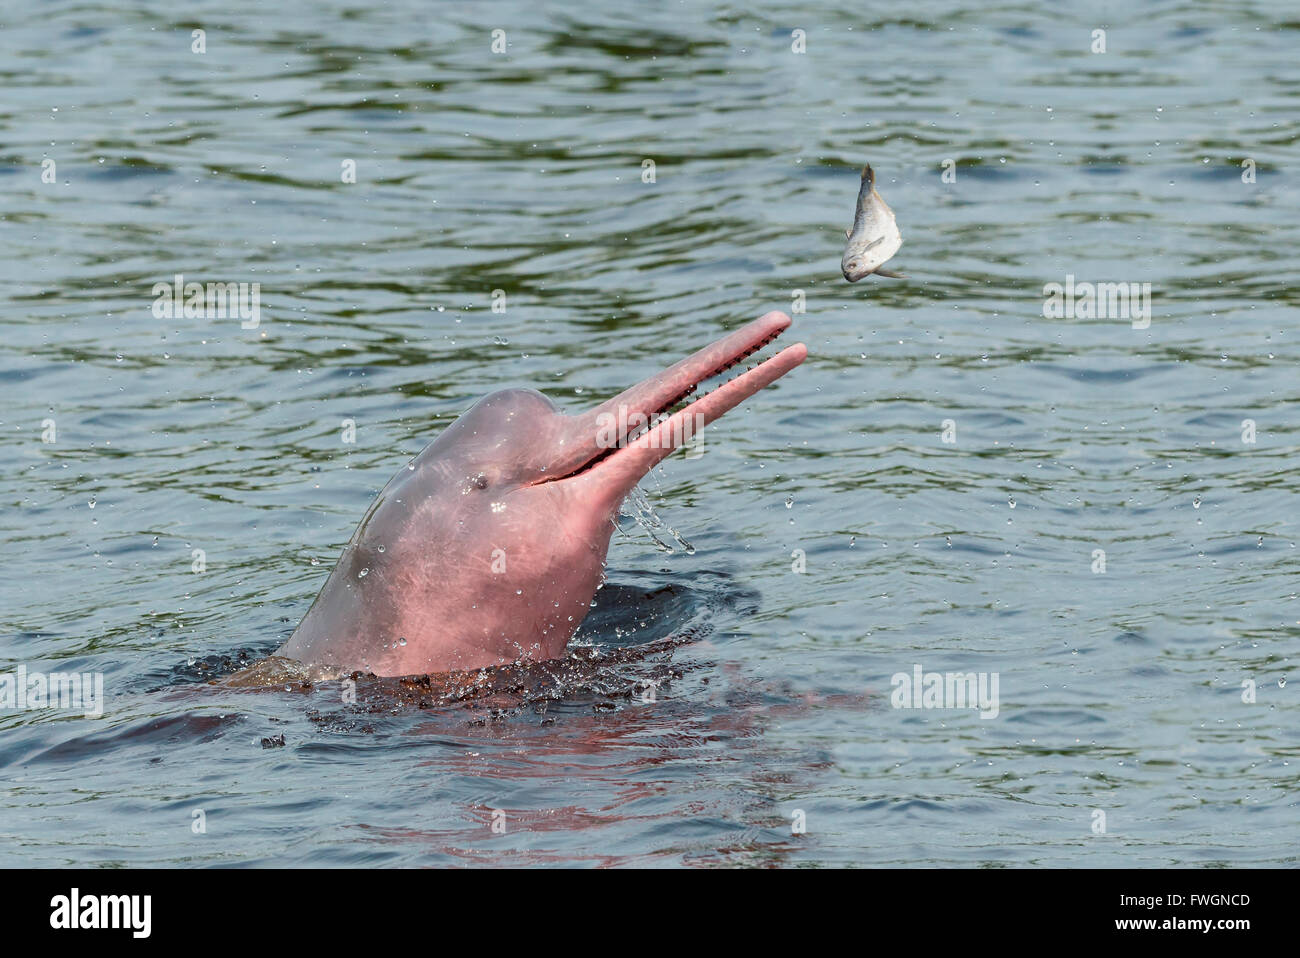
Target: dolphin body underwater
x=488 y=547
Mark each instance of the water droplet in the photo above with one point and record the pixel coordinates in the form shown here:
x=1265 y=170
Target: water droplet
x=363 y=573
x=91 y=503
x=789 y=502
x=1011 y=501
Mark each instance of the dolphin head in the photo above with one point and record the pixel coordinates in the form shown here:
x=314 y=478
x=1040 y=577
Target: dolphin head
x=488 y=547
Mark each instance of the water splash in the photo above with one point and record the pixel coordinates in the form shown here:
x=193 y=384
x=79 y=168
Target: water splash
x=638 y=506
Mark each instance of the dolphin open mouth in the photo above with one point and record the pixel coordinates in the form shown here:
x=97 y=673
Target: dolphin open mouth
x=636 y=429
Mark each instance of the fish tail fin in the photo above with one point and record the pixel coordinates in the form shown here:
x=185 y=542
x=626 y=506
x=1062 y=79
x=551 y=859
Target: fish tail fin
x=868 y=175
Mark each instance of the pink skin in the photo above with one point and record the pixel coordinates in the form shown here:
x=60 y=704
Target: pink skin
x=488 y=547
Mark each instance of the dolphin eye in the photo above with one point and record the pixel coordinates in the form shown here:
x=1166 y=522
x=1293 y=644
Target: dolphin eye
x=480 y=481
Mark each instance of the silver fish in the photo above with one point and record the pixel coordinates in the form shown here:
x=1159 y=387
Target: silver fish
x=874 y=238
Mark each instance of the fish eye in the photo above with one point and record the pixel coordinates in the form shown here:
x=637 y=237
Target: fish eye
x=853 y=266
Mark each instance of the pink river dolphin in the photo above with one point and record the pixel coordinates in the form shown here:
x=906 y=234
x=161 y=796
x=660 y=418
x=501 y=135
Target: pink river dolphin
x=488 y=547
